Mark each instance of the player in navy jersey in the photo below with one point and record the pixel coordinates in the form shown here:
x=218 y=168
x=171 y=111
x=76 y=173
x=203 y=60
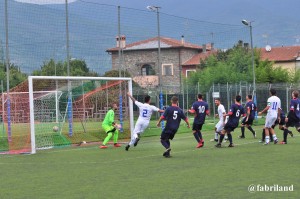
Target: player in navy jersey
x=173 y=115
x=200 y=109
x=293 y=117
x=248 y=120
x=235 y=112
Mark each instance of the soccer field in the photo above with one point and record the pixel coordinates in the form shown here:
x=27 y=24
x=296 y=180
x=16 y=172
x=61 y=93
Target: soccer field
x=142 y=172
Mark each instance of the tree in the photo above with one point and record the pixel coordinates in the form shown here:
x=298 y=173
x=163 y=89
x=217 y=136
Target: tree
x=15 y=76
x=235 y=65
x=52 y=68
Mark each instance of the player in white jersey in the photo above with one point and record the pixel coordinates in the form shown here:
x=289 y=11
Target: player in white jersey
x=274 y=108
x=222 y=119
x=142 y=123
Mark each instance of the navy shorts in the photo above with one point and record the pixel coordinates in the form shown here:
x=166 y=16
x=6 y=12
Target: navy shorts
x=249 y=122
x=197 y=127
x=168 y=134
x=229 y=127
x=293 y=122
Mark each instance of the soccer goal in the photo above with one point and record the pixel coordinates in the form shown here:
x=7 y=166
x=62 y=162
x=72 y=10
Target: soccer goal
x=69 y=110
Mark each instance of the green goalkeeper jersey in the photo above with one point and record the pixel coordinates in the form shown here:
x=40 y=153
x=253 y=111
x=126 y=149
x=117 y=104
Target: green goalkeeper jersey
x=109 y=118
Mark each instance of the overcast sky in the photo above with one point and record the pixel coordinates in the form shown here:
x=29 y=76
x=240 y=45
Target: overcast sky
x=45 y=1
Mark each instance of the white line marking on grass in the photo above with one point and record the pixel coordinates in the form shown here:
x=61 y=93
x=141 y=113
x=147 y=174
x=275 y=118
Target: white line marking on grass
x=123 y=159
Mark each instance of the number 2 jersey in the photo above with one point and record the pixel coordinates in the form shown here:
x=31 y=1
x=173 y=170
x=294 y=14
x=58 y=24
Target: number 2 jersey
x=201 y=110
x=146 y=110
x=235 y=112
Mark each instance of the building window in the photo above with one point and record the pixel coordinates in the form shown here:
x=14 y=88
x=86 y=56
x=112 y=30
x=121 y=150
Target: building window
x=147 y=70
x=188 y=73
x=167 y=69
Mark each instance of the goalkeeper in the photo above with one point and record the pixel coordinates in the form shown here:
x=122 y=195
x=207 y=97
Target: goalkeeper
x=109 y=127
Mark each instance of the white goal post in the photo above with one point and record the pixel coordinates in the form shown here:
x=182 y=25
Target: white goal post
x=41 y=84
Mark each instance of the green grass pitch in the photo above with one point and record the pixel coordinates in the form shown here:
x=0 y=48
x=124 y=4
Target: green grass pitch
x=142 y=172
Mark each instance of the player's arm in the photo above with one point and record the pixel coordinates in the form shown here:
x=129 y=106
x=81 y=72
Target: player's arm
x=224 y=117
x=248 y=113
x=159 y=120
x=207 y=112
x=187 y=122
x=132 y=98
x=265 y=109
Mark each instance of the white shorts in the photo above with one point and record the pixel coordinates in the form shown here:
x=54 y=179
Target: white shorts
x=140 y=127
x=270 y=120
x=219 y=126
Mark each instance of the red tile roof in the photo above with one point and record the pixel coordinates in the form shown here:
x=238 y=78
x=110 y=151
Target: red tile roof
x=195 y=60
x=277 y=54
x=151 y=43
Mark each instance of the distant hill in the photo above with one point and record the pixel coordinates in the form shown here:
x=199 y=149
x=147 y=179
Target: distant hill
x=37 y=32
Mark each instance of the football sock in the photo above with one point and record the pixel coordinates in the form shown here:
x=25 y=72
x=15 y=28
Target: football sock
x=229 y=138
x=196 y=135
x=221 y=138
x=263 y=135
x=285 y=134
x=216 y=135
x=200 y=135
x=243 y=131
x=274 y=136
x=267 y=139
x=109 y=135
x=251 y=129
x=116 y=136
x=165 y=143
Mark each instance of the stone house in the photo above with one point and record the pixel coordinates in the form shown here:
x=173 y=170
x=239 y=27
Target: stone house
x=140 y=59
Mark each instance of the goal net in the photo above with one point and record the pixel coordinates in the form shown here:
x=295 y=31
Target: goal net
x=65 y=111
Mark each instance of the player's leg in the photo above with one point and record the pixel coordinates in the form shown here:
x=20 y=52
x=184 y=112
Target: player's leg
x=268 y=126
x=116 y=137
x=195 y=132
x=200 y=135
x=263 y=135
x=222 y=135
x=109 y=131
x=230 y=137
x=249 y=127
x=165 y=141
x=272 y=132
x=142 y=128
x=243 y=128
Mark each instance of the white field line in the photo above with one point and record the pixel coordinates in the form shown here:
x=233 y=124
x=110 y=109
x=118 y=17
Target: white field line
x=122 y=159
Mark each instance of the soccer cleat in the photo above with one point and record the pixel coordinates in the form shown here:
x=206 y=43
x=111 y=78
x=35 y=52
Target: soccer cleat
x=214 y=140
x=254 y=135
x=290 y=132
x=241 y=137
x=266 y=143
x=282 y=142
x=276 y=141
x=103 y=147
x=231 y=145
x=136 y=141
x=167 y=153
x=117 y=145
x=218 y=145
x=199 y=145
x=202 y=141
x=127 y=147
